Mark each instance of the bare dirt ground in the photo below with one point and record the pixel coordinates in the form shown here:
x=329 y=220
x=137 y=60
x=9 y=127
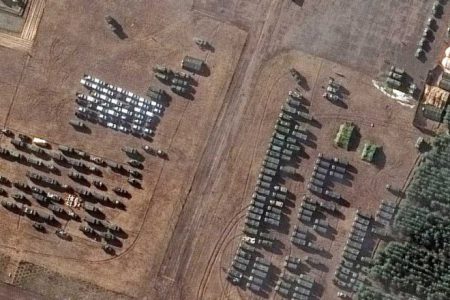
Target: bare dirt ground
x=185 y=223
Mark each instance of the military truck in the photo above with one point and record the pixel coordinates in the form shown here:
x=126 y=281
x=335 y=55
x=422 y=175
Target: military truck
x=179 y=89
x=66 y=149
x=332 y=194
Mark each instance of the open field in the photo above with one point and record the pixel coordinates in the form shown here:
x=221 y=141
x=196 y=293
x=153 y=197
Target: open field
x=183 y=226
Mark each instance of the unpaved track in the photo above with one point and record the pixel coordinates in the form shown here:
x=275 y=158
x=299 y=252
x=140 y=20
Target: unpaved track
x=193 y=250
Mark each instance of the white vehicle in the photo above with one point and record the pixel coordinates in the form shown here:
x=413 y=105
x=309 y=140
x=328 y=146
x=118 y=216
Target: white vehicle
x=147 y=131
x=129 y=94
x=112 y=113
x=100 y=108
x=103 y=117
x=123 y=129
x=111 y=125
x=135 y=127
x=107 y=92
x=116 y=102
x=82 y=109
x=97 y=81
x=40 y=142
x=143 y=105
x=139 y=122
x=92 y=100
x=156 y=110
x=130 y=101
x=149 y=114
x=138 y=110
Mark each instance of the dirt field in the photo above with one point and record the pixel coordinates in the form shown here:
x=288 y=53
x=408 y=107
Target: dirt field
x=183 y=226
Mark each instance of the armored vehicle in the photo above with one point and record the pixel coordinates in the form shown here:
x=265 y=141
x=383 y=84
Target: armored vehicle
x=134 y=181
x=39 y=226
x=135 y=163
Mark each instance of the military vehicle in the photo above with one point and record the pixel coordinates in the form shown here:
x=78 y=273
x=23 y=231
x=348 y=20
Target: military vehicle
x=9 y=205
x=57 y=156
x=278 y=155
x=338 y=169
x=19 y=197
x=121 y=191
x=262 y=191
x=77 y=176
x=262 y=267
x=295 y=75
x=272 y=160
x=263 y=184
x=320 y=170
x=183 y=76
x=319 y=176
x=256 y=210
x=291 y=262
x=252 y=223
x=90 y=208
x=323 y=163
x=97 y=160
x=66 y=149
x=362 y=220
x=40 y=198
x=265 y=178
x=201 y=42
x=35 y=149
x=87 y=230
x=56 y=208
x=257 y=204
x=288 y=170
x=316 y=182
x=91 y=220
x=7 y=132
x=162 y=69
x=293 y=102
x=21 y=186
x=81 y=191
x=162 y=77
x=271 y=166
x=239 y=266
x=4 y=151
x=99 y=184
x=134 y=181
x=130 y=151
x=108 y=236
x=274 y=210
x=254 y=216
x=62 y=234
x=112 y=227
x=180 y=82
x=243 y=254
x=332 y=194
x=330 y=206
x=292 y=147
x=272 y=222
x=259 y=273
x=336 y=175
x=39 y=226
x=33 y=176
x=179 y=89
x=234 y=276
x=135 y=163
x=282 y=129
x=314 y=188
x=18 y=143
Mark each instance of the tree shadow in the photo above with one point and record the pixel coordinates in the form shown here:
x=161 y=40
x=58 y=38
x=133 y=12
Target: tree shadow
x=379 y=159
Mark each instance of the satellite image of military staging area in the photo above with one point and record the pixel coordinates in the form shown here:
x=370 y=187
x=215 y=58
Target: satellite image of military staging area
x=225 y=149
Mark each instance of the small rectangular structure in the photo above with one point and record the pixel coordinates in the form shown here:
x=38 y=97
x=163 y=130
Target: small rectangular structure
x=192 y=64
